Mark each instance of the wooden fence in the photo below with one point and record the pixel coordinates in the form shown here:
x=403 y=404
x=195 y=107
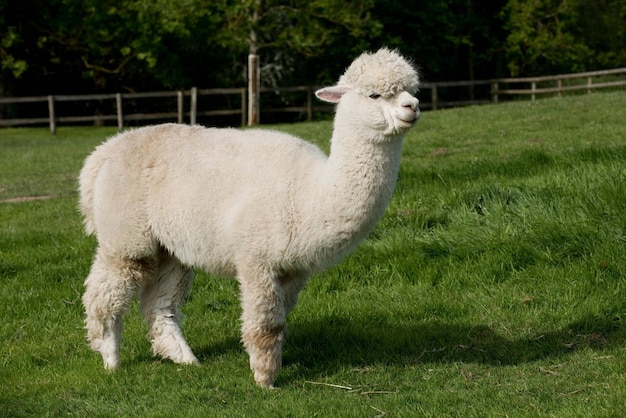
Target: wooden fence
x=559 y=84
x=466 y=92
x=524 y=86
x=120 y=117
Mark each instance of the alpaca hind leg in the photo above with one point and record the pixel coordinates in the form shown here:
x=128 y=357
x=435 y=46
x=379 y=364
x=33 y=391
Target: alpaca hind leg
x=109 y=290
x=160 y=305
x=263 y=324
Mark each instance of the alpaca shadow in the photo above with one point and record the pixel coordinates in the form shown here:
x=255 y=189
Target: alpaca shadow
x=318 y=348
x=225 y=345
x=321 y=347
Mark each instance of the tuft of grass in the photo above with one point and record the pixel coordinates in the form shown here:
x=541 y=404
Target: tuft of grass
x=494 y=284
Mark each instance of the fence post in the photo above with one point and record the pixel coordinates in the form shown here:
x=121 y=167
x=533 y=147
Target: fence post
x=533 y=88
x=254 y=90
x=589 y=82
x=433 y=97
x=559 y=84
x=120 y=112
x=179 y=105
x=243 y=106
x=194 y=106
x=309 y=103
x=494 y=91
x=53 y=122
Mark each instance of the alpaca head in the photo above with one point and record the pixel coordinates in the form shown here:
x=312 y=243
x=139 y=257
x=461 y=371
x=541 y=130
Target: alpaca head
x=376 y=93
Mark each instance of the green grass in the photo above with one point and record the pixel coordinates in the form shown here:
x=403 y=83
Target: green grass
x=494 y=285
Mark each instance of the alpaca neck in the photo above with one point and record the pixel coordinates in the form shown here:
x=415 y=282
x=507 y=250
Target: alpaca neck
x=362 y=174
x=356 y=188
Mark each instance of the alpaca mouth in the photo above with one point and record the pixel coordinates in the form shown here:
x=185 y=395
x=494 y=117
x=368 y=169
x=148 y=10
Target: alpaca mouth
x=411 y=118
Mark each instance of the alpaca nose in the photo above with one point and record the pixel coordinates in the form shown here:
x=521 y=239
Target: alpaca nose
x=410 y=102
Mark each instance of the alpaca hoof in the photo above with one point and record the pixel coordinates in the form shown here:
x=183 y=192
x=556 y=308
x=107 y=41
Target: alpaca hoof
x=183 y=361
x=264 y=380
x=179 y=354
x=110 y=357
x=111 y=364
x=192 y=362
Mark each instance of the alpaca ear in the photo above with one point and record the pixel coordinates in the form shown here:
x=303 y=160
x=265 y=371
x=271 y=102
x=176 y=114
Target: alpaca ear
x=332 y=94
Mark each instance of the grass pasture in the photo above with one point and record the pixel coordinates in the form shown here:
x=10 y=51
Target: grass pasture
x=495 y=285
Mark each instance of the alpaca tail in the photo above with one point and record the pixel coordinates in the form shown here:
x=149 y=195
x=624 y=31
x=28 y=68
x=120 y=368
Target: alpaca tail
x=86 y=187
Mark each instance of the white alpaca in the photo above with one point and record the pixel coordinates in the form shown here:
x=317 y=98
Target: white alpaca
x=261 y=206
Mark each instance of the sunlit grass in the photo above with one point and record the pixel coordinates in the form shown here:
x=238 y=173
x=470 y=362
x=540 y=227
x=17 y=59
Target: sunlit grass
x=494 y=285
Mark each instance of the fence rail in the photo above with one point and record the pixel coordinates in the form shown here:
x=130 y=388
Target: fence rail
x=559 y=88
x=528 y=86
x=474 y=92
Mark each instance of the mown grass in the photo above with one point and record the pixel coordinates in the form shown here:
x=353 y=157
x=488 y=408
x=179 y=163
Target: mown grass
x=494 y=285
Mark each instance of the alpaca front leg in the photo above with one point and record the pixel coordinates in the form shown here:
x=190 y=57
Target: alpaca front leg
x=263 y=325
x=264 y=346
x=160 y=305
x=292 y=285
x=109 y=289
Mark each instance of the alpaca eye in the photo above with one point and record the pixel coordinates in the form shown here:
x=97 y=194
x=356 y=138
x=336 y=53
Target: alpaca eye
x=374 y=96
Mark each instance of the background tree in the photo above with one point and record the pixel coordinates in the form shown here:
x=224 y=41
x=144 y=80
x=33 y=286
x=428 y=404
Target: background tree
x=277 y=34
x=102 y=45
x=450 y=40
x=83 y=46
x=560 y=36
